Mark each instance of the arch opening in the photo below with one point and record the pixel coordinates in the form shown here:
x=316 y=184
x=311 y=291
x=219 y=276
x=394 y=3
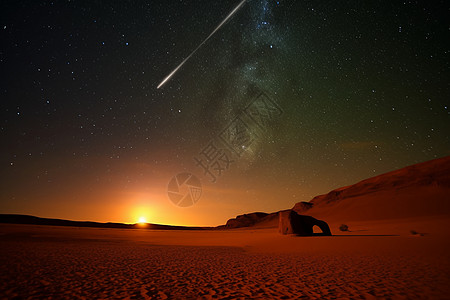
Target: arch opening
x=317 y=230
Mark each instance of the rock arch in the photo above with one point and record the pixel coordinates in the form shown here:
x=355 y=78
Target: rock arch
x=291 y=222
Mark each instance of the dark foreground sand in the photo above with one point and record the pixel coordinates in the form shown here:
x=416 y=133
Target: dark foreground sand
x=89 y=263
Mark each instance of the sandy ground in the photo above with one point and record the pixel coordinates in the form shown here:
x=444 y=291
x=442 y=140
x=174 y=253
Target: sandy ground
x=373 y=261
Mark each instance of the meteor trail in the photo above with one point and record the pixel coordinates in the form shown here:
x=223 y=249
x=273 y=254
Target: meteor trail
x=201 y=44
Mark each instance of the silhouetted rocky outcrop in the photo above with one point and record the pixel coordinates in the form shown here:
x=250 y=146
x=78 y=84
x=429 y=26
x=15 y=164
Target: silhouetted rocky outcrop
x=246 y=220
x=291 y=222
x=301 y=207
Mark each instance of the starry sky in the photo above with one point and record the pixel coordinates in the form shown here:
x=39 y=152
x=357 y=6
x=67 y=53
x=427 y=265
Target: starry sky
x=292 y=98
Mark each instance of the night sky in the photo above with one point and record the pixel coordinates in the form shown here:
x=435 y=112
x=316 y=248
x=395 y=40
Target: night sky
x=296 y=98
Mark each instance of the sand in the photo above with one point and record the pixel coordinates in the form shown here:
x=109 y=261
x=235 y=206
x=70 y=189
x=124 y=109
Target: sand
x=90 y=263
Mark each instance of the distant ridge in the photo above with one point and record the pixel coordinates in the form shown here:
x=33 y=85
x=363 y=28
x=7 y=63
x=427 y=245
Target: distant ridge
x=419 y=190
x=255 y=220
x=27 y=219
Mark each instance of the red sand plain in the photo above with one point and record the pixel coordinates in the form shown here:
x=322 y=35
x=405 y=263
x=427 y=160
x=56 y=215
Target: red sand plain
x=376 y=260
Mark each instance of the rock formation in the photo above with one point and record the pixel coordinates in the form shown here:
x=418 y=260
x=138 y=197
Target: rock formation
x=302 y=207
x=246 y=220
x=291 y=222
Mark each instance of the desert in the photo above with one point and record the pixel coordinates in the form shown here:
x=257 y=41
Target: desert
x=238 y=149
x=91 y=263
x=378 y=257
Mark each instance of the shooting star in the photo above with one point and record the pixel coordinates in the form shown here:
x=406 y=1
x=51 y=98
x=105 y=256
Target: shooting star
x=201 y=44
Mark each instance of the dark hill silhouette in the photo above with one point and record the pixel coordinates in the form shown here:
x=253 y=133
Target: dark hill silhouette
x=26 y=219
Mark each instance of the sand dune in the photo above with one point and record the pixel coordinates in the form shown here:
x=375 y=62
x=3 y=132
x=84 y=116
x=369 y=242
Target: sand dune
x=421 y=190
